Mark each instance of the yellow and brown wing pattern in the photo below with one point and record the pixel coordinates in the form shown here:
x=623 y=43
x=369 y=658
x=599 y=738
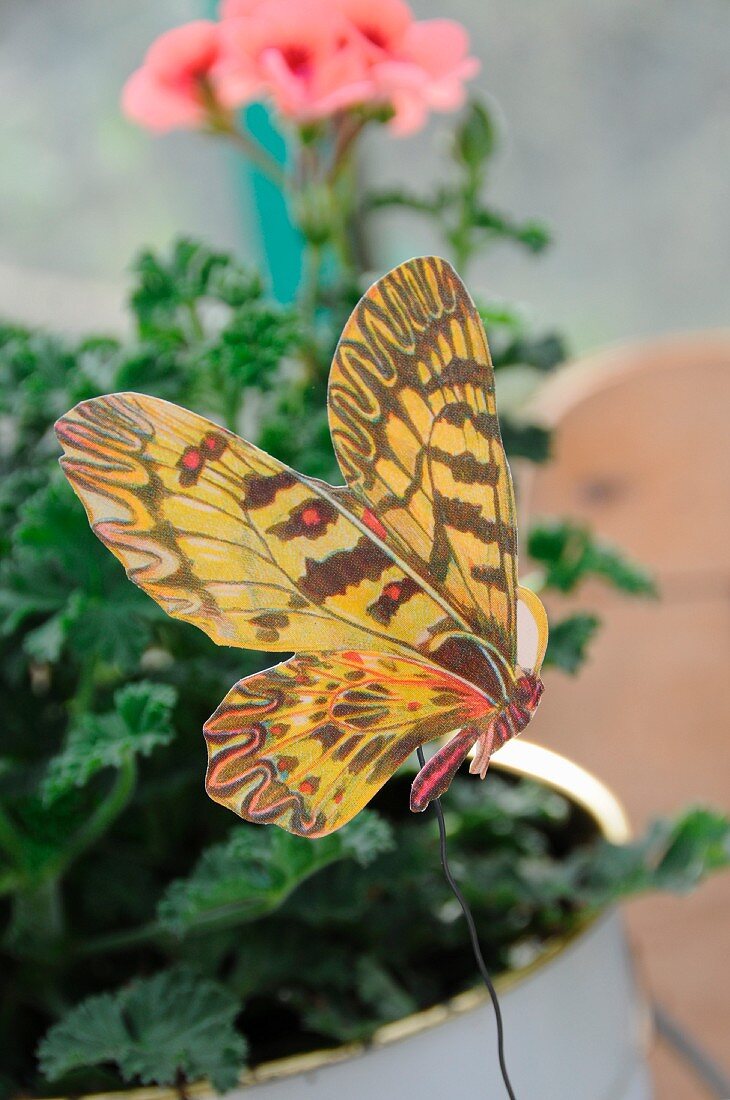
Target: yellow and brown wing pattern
x=228 y=538
x=306 y=745
x=414 y=425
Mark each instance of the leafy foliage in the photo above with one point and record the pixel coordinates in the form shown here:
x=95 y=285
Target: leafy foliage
x=569 y=554
x=155 y=1030
x=212 y=321
x=672 y=855
x=139 y=722
x=255 y=870
x=569 y=640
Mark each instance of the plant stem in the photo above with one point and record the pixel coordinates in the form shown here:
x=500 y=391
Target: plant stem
x=309 y=289
x=118 y=941
x=252 y=151
x=348 y=132
x=84 y=695
x=37 y=920
x=197 y=331
x=103 y=816
x=462 y=235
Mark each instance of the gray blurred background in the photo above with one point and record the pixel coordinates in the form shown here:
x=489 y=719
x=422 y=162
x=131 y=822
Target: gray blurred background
x=616 y=131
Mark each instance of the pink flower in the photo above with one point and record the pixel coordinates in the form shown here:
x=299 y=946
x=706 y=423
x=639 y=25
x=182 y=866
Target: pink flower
x=428 y=73
x=168 y=90
x=311 y=58
x=301 y=52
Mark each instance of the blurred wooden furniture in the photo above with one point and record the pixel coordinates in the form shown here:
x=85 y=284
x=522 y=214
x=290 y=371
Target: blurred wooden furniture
x=642 y=453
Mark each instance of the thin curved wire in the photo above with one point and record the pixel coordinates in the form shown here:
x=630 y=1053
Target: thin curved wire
x=469 y=918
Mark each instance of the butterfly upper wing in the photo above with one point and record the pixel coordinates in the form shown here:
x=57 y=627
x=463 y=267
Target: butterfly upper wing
x=228 y=538
x=414 y=426
x=306 y=745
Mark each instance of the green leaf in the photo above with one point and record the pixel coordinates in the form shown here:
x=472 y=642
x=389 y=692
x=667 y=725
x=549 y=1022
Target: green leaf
x=28 y=587
x=56 y=569
x=92 y=1032
x=499 y=315
x=569 y=553
x=530 y=441
x=697 y=844
x=116 y=627
x=409 y=200
x=378 y=999
x=544 y=353
x=568 y=641
x=675 y=855
x=46 y=642
x=534 y=236
x=475 y=139
x=255 y=871
x=140 y=722
x=379 y=989
x=155 y=1031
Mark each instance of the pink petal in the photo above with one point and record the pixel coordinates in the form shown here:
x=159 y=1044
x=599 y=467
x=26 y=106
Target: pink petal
x=189 y=49
x=233 y=9
x=381 y=24
x=156 y=106
x=410 y=115
x=235 y=85
x=437 y=45
x=287 y=91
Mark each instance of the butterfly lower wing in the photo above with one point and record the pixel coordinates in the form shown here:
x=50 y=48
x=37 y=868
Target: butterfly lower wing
x=306 y=745
x=224 y=536
x=414 y=426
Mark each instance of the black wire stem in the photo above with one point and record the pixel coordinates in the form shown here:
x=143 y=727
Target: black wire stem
x=469 y=918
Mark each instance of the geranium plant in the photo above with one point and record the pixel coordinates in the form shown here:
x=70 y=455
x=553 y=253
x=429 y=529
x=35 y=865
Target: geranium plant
x=143 y=937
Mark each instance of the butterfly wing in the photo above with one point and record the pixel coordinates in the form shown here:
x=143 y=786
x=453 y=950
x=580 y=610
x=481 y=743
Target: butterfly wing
x=532 y=630
x=306 y=745
x=224 y=536
x=414 y=425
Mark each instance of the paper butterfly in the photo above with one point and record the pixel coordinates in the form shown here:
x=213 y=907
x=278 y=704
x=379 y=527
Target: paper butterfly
x=399 y=591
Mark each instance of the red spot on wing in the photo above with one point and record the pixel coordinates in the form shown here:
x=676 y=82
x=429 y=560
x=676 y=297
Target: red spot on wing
x=214 y=444
x=414 y=706
x=373 y=524
x=306 y=787
x=338 y=797
x=192 y=459
x=393 y=591
x=310 y=517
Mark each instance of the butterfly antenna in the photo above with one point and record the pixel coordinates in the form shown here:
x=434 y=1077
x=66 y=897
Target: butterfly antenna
x=476 y=948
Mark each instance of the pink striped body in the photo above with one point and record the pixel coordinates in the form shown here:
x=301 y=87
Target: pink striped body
x=488 y=734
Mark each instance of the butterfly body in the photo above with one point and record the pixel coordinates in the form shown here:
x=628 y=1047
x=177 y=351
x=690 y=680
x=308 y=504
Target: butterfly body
x=398 y=591
x=484 y=736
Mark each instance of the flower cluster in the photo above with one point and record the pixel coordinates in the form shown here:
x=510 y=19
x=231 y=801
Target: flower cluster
x=310 y=58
